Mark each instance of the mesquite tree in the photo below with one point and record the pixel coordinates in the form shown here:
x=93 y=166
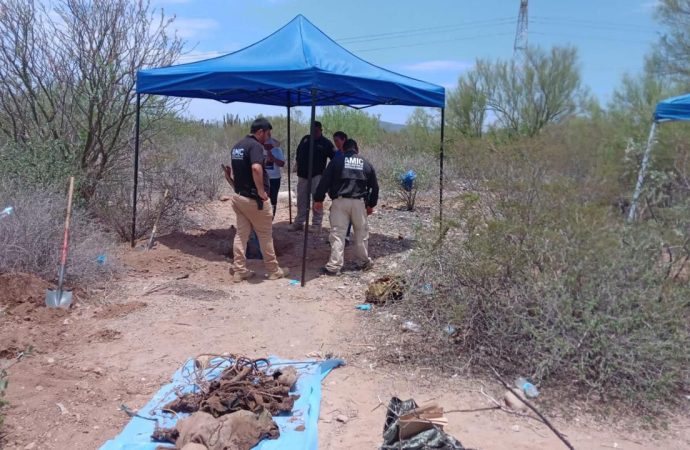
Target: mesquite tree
x=523 y=96
x=67 y=77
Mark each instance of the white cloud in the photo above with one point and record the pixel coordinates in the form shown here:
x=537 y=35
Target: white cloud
x=188 y=28
x=438 y=65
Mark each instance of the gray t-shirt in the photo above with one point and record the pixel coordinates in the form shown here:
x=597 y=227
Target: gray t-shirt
x=273 y=170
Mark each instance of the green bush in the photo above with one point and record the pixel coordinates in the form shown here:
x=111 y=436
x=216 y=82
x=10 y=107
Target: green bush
x=539 y=276
x=43 y=164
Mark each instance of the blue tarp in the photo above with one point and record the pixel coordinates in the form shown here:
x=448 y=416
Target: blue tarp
x=675 y=108
x=282 y=69
x=137 y=433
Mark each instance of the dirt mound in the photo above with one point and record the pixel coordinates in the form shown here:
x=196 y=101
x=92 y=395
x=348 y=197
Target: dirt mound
x=120 y=310
x=22 y=288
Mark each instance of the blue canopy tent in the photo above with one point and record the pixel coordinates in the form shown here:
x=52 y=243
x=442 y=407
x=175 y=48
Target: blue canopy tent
x=298 y=65
x=671 y=109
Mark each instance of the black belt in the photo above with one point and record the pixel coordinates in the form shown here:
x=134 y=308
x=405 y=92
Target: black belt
x=254 y=196
x=350 y=196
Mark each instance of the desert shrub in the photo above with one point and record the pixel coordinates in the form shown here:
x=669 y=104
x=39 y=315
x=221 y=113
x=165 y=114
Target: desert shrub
x=538 y=277
x=184 y=159
x=31 y=237
x=202 y=168
x=392 y=161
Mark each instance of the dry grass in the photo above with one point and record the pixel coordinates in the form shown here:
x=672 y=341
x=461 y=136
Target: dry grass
x=31 y=238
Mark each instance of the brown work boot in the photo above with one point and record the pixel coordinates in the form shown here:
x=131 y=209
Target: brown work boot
x=280 y=273
x=238 y=277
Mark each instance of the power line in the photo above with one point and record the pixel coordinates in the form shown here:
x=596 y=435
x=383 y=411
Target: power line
x=418 y=44
x=583 y=23
x=541 y=20
x=426 y=30
x=592 y=38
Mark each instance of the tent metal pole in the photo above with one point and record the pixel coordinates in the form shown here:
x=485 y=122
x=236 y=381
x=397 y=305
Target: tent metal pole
x=440 y=173
x=309 y=181
x=289 y=159
x=136 y=170
x=642 y=173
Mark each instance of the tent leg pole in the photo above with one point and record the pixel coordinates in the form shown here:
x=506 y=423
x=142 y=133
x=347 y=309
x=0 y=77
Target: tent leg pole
x=289 y=166
x=309 y=181
x=642 y=173
x=136 y=171
x=440 y=173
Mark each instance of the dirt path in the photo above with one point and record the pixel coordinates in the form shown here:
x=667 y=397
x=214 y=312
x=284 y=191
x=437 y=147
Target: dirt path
x=178 y=301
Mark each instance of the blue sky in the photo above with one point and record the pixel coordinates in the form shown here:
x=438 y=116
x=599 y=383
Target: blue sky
x=433 y=40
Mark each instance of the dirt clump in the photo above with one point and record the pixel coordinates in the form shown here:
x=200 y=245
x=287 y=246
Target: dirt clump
x=22 y=290
x=106 y=335
x=9 y=352
x=120 y=310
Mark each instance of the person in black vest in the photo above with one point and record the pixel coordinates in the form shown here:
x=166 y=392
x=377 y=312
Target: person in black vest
x=351 y=183
x=323 y=151
x=250 y=203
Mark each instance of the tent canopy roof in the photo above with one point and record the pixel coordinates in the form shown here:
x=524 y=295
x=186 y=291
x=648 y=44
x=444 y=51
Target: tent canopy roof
x=282 y=68
x=674 y=108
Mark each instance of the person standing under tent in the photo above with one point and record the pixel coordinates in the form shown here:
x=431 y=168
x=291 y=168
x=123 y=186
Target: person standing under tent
x=351 y=184
x=274 y=161
x=323 y=151
x=339 y=138
x=250 y=202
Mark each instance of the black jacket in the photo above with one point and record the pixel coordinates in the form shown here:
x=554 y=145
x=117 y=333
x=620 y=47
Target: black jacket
x=349 y=176
x=323 y=150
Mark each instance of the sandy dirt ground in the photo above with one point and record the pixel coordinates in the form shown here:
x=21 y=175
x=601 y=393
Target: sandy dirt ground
x=177 y=301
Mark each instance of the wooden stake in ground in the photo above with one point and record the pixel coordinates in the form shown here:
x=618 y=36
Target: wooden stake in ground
x=155 y=224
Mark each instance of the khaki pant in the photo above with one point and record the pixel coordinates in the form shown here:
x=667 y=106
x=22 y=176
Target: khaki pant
x=249 y=216
x=303 y=200
x=343 y=212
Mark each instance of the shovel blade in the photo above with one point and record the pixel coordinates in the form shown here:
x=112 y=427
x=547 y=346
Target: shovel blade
x=58 y=299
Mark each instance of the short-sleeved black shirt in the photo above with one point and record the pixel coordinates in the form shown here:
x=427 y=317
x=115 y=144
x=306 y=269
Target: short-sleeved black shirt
x=323 y=151
x=246 y=152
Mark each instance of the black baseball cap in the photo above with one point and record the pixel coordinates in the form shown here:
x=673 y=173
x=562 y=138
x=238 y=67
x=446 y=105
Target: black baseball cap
x=260 y=123
x=317 y=124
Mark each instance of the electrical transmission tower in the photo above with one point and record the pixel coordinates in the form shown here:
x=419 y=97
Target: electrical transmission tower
x=520 y=45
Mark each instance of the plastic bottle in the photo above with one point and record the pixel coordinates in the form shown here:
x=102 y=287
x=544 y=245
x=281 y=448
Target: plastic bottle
x=528 y=388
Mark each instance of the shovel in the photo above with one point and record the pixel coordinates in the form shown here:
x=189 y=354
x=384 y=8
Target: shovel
x=60 y=298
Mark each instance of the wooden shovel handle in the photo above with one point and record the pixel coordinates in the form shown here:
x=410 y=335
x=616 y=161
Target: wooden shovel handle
x=65 y=240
